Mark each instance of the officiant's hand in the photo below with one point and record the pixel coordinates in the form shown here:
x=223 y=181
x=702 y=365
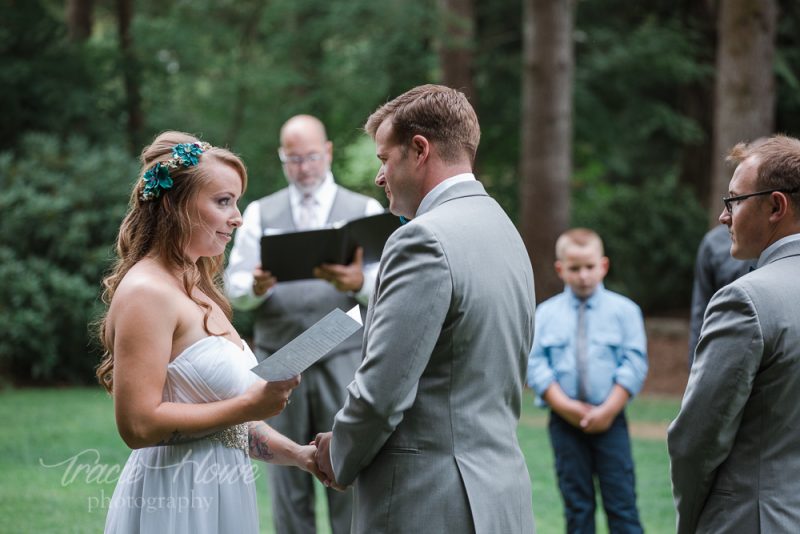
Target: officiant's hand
x=344 y=277
x=323 y=443
x=262 y=281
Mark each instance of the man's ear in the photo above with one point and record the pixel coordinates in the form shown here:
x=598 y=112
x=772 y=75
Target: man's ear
x=421 y=146
x=780 y=206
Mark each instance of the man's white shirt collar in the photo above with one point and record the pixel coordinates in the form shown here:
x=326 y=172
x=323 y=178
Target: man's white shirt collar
x=434 y=194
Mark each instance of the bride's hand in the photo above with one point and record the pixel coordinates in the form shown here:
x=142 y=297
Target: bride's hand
x=306 y=460
x=268 y=399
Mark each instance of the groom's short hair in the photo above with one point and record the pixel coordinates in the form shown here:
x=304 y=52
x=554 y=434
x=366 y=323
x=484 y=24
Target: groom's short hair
x=441 y=114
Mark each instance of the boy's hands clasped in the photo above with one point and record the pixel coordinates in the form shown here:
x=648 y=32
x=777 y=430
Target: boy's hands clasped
x=587 y=417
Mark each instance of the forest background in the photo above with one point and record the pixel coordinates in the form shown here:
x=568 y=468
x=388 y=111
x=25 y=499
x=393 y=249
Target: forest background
x=606 y=113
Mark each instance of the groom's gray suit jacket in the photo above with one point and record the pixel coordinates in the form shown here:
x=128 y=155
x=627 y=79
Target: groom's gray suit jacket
x=735 y=445
x=428 y=431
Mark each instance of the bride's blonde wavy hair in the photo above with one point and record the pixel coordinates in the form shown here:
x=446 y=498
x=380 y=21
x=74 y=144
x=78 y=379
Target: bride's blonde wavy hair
x=163 y=226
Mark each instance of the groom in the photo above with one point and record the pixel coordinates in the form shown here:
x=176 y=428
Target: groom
x=427 y=434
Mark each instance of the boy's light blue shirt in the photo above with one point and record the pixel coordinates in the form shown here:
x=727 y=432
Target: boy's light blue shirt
x=617 y=345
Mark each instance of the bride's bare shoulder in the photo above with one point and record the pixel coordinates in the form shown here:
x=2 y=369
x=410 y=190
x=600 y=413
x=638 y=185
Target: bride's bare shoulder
x=146 y=287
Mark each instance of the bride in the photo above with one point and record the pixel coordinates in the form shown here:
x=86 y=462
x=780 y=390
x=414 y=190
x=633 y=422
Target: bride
x=184 y=397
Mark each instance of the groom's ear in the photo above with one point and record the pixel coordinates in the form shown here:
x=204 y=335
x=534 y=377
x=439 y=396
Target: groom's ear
x=421 y=148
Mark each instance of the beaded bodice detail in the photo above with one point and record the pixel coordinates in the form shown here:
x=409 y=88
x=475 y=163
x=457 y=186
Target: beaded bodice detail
x=235 y=437
x=213 y=369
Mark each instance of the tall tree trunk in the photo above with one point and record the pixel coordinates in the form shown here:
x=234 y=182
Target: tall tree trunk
x=456 y=50
x=745 y=85
x=130 y=73
x=79 y=19
x=546 y=136
x=697 y=103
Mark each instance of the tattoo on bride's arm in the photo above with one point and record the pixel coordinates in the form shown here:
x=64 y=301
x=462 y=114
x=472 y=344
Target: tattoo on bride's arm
x=176 y=438
x=259 y=443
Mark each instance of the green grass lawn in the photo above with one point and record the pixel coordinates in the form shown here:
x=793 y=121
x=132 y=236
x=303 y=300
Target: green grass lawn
x=60 y=455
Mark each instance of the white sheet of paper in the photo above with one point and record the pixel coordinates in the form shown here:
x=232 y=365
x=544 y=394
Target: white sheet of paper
x=355 y=314
x=304 y=350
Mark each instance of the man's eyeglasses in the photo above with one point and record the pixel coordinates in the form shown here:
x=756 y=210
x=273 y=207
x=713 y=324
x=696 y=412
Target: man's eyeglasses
x=299 y=160
x=728 y=201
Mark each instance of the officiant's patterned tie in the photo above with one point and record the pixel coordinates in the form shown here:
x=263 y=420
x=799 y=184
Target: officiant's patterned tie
x=582 y=353
x=306 y=219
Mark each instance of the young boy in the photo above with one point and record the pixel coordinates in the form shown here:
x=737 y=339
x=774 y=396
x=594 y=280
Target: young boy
x=589 y=357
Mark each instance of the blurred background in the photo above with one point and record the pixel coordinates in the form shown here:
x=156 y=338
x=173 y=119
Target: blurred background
x=604 y=113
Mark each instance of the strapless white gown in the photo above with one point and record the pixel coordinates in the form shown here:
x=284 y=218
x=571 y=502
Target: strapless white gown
x=201 y=487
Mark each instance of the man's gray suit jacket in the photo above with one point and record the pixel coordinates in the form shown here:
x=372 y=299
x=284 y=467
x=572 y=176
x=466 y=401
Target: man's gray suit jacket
x=735 y=445
x=428 y=431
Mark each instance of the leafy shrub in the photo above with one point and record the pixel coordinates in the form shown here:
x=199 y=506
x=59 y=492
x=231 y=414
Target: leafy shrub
x=62 y=202
x=51 y=84
x=650 y=232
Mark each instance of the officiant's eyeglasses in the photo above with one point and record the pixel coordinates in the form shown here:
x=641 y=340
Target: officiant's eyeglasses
x=728 y=201
x=299 y=160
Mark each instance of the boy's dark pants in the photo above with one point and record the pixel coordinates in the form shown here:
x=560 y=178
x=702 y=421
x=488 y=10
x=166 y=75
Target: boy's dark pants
x=579 y=457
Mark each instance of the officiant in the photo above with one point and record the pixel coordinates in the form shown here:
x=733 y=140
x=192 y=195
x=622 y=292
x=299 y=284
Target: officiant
x=312 y=200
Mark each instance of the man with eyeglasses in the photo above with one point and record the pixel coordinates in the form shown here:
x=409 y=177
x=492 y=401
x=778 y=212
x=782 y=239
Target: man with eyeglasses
x=735 y=445
x=312 y=200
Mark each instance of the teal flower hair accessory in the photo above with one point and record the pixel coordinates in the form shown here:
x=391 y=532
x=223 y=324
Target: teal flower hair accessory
x=187 y=153
x=157 y=178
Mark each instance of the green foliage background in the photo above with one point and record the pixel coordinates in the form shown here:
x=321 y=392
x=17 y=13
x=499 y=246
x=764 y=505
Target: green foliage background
x=234 y=71
x=61 y=203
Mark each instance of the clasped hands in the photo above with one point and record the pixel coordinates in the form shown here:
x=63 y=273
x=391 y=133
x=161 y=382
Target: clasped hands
x=323 y=469
x=589 y=418
x=266 y=399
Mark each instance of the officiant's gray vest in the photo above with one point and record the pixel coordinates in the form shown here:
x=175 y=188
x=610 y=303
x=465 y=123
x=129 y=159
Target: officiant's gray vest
x=294 y=306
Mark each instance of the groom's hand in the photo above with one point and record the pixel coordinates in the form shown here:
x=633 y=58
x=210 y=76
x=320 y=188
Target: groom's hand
x=323 y=443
